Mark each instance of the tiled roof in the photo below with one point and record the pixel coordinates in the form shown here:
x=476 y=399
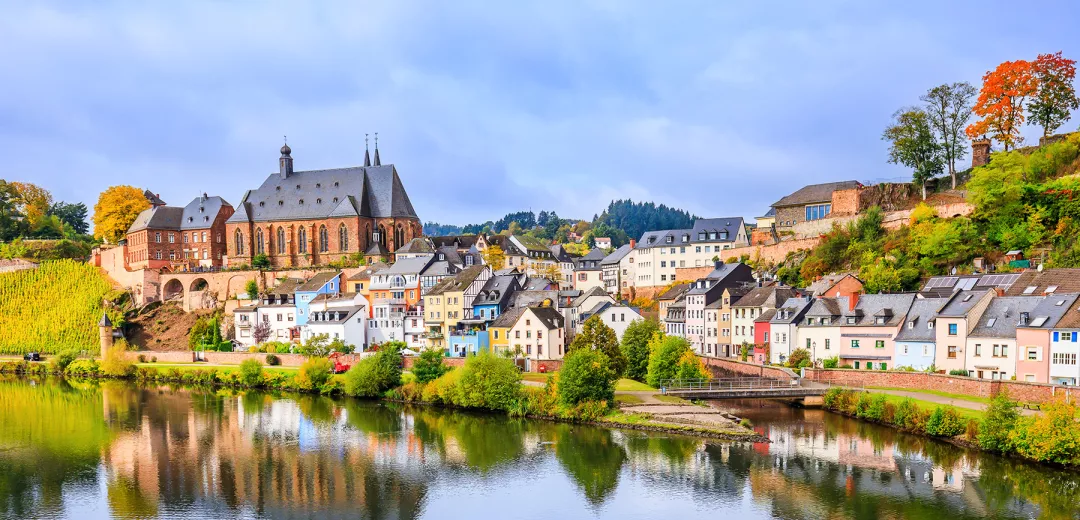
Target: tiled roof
x=815 y=193
x=674 y=292
x=915 y=327
x=821 y=287
x=682 y=237
x=1035 y=283
x=961 y=302
x=365 y=273
x=509 y=317
x=373 y=191
x=1002 y=316
x=316 y=282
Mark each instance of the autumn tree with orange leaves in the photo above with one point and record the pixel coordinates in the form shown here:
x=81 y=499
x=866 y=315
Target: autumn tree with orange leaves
x=1001 y=102
x=1055 y=98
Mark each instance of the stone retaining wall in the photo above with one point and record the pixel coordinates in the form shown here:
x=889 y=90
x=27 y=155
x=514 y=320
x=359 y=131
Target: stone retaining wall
x=1019 y=390
x=724 y=367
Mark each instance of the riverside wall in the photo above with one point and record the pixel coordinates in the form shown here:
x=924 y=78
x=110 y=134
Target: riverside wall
x=1019 y=390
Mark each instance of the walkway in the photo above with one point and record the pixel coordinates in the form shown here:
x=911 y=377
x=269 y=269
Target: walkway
x=941 y=399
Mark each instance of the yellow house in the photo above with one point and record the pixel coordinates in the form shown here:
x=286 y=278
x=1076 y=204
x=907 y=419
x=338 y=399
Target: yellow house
x=499 y=330
x=448 y=309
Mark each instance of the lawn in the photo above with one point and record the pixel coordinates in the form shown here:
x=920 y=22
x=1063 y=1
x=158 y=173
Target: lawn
x=629 y=385
x=670 y=399
x=964 y=397
x=628 y=399
x=185 y=367
x=534 y=377
x=965 y=413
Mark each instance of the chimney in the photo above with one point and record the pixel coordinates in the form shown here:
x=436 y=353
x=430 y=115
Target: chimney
x=853 y=300
x=633 y=243
x=1024 y=318
x=1000 y=292
x=717 y=264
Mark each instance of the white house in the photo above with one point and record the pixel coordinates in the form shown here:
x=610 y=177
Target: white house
x=990 y=348
x=614 y=315
x=339 y=317
x=276 y=308
x=784 y=329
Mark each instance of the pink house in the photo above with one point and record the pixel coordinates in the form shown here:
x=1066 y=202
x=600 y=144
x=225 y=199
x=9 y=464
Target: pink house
x=953 y=323
x=1033 y=340
x=868 y=329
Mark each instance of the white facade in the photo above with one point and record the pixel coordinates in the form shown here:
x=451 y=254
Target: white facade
x=824 y=340
x=659 y=253
x=244 y=321
x=784 y=338
x=990 y=358
x=339 y=318
x=1064 y=351
x=535 y=340
x=282 y=319
x=618 y=317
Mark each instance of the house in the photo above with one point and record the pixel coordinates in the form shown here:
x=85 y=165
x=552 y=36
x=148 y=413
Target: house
x=494 y=297
x=602 y=242
x=812 y=202
x=1064 y=341
x=945 y=286
x=588 y=272
x=767 y=220
x=914 y=342
x=868 y=329
x=276 y=308
x=746 y=310
x=820 y=328
x=361 y=281
x=1033 y=340
x=395 y=296
x=784 y=329
x=614 y=315
x=1049 y=281
x=341 y=317
x=668 y=297
x=659 y=253
x=953 y=323
x=313 y=217
x=538 y=255
x=614 y=281
x=990 y=349
x=419 y=247
x=515 y=256
x=449 y=316
x=836 y=285
x=583 y=303
x=321 y=283
x=710 y=333
x=187 y=238
x=762 y=328
x=566 y=262
x=536 y=333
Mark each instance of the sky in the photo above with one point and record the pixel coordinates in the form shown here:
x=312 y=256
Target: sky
x=489 y=107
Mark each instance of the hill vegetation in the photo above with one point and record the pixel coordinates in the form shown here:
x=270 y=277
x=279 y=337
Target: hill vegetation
x=53 y=308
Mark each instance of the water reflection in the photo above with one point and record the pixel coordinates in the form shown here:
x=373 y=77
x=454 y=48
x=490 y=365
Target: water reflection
x=99 y=449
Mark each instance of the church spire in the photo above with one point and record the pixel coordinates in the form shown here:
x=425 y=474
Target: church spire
x=377 y=161
x=367 y=158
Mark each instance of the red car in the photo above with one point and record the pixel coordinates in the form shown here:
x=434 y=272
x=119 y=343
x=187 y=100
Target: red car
x=339 y=367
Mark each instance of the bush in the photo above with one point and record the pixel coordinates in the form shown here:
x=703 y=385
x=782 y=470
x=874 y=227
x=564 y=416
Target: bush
x=797 y=357
x=1052 y=436
x=429 y=366
x=115 y=364
x=252 y=289
x=1000 y=419
x=876 y=409
x=83 y=367
x=260 y=261
x=596 y=335
x=141 y=358
x=272 y=360
x=944 y=422
x=906 y=414
x=745 y=423
x=958 y=372
x=691 y=367
x=60 y=361
x=251 y=372
x=374 y=375
x=664 y=354
x=153 y=359
x=489 y=381
x=443 y=390
x=635 y=347
x=314 y=373
x=586 y=375
x=831 y=399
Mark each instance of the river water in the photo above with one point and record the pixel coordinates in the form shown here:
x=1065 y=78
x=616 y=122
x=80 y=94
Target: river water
x=114 y=449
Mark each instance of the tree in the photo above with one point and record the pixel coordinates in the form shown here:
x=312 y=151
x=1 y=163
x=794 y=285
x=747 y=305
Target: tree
x=913 y=145
x=635 y=347
x=597 y=336
x=73 y=215
x=586 y=375
x=11 y=220
x=1001 y=102
x=1000 y=419
x=1055 y=98
x=515 y=228
x=548 y=270
x=252 y=289
x=260 y=261
x=494 y=257
x=376 y=374
x=664 y=355
x=33 y=201
x=429 y=366
x=261 y=332
x=798 y=357
x=115 y=211
x=949 y=109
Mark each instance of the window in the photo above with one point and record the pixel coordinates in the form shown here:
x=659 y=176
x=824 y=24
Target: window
x=324 y=240
x=239 y=242
x=343 y=237
x=539 y=335
x=1055 y=336
x=157 y=237
x=952 y=351
x=952 y=329
x=496 y=333
x=1032 y=354
x=172 y=238
x=818 y=211
x=978 y=350
x=517 y=334
x=582 y=277
x=827 y=346
x=281 y=240
x=259 y=242
x=854 y=343
x=879 y=343
x=808 y=343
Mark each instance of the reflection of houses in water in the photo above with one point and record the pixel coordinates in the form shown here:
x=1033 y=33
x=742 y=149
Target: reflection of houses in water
x=863 y=453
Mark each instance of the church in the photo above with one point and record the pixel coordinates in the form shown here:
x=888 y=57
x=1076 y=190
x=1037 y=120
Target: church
x=314 y=217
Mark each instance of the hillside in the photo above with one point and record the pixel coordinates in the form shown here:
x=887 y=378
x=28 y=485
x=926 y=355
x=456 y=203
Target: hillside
x=54 y=307
x=1027 y=200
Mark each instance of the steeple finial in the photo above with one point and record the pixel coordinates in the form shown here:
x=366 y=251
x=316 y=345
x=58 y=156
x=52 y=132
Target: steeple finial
x=367 y=158
x=377 y=161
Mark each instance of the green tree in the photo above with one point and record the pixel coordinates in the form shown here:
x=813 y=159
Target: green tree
x=252 y=289
x=798 y=356
x=664 y=354
x=251 y=372
x=73 y=215
x=586 y=375
x=260 y=261
x=374 y=375
x=314 y=373
x=997 y=423
x=635 y=347
x=490 y=382
x=912 y=144
x=949 y=110
x=11 y=220
x=429 y=366
x=596 y=335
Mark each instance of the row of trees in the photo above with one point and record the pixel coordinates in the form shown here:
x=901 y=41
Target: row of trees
x=29 y=211
x=931 y=138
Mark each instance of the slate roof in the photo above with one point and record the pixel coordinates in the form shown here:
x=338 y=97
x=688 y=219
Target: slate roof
x=550 y=317
x=946 y=285
x=795 y=307
x=287 y=287
x=1070 y=319
x=533 y=244
x=438 y=268
x=715 y=276
x=591 y=261
x=828 y=307
x=456 y=241
x=922 y=311
x=316 y=282
x=599 y=307
x=771 y=297
x=408 y=266
x=345 y=313
x=375 y=248
x=153 y=198
x=960 y=304
x=526 y=298
x=508 y=246
x=1063 y=280
x=765 y=316
x=497 y=291
x=373 y=191
x=201 y=212
x=1002 y=316
x=617 y=255
x=365 y=274
x=593 y=291
x=561 y=254
x=674 y=292
x=105 y=321
x=770 y=213
x=892 y=307
x=1054 y=309
x=418 y=245
x=537 y=283
x=508 y=318
x=158 y=217
x=815 y=193
x=461 y=280
x=659 y=238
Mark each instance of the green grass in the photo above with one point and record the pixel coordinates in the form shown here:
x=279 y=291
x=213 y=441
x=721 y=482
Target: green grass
x=963 y=397
x=186 y=367
x=628 y=399
x=965 y=413
x=629 y=385
x=534 y=377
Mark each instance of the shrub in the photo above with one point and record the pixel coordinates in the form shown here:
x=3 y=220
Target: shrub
x=272 y=360
x=314 y=373
x=958 y=372
x=260 y=261
x=251 y=372
x=60 y=361
x=374 y=375
x=443 y=390
x=832 y=396
x=252 y=289
x=745 y=423
x=635 y=347
x=664 y=354
x=586 y=375
x=489 y=381
x=1052 y=436
x=429 y=366
x=141 y=358
x=875 y=411
x=944 y=422
x=153 y=359
x=691 y=367
x=862 y=405
x=596 y=335
x=115 y=364
x=1000 y=419
x=83 y=367
x=797 y=357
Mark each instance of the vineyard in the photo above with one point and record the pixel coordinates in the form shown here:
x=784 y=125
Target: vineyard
x=52 y=308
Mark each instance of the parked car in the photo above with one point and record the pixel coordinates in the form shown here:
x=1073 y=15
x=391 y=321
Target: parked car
x=32 y=356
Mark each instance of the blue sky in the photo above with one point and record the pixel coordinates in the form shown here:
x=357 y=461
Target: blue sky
x=488 y=107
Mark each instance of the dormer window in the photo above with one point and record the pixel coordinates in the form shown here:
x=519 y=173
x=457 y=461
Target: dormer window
x=301 y=202
x=277 y=188
x=297 y=186
x=191 y=219
x=723 y=235
x=336 y=184
x=318 y=201
x=261 y=204
x=318 y=185
x=851 y=320
x=712 y=235
x=911 y=324
x=880 y=320
x=280 y=203
x=335 y=200
x=701 y=236
x=206 y=219
x=685 y=238
x=670 y=239
x=929 y=324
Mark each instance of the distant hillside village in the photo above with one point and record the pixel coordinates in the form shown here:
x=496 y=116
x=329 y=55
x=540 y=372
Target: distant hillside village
x=340 y=253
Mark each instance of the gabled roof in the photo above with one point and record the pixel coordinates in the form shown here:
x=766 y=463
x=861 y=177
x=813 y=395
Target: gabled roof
x=153 y=198
x=439 y=268
x=316 y=282
x=944 y=286
x=551 y=318
x=462 y=280
x=828 y=307
x=288 y=286
x=508 y=246
x=418 y=245
x=456 y=241
x=497 y=291
x=1002 y=316
x=377 y=189
x=617 y=255
x=414 y=265
x=766 y=316
x=593 y=291
x=526 y=298
x=961 y=302
x=158 y=217
x=870 y=307
x=365 y=273
x=792 y=310
x=508 y=318
x=915 y=327
x=674 y=292
x=105 y=321
x=815 y=193
x=1035 y=283
x=201 y=212
x=821 y=287
x=770 y=297
x=561 y=254
x=1054 y=311
x=532 y=244
x=682 y=237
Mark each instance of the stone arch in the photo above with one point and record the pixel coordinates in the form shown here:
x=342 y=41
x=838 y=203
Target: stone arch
x=173 y=290
x=199 y=284
x=200 y=296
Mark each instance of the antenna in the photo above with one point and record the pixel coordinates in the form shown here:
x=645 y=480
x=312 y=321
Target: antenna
x=365 y=142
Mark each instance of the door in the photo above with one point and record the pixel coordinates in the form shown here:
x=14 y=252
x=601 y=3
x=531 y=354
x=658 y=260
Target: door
x=980 y=374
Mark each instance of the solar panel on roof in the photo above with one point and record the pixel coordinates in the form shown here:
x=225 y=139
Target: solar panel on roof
x=988 y=280
x=1038 y=322
x=941 y=281
x=967 y=283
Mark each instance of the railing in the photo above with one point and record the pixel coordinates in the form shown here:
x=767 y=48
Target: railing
x=719 y=385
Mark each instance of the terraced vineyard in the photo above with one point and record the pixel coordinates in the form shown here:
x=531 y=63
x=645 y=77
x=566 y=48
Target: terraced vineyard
x=54 y=307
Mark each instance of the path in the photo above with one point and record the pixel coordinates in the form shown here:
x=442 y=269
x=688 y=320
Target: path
x=940 y=399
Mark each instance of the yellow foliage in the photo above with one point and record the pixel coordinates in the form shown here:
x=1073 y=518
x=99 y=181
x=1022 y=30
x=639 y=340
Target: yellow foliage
x=922 y=213
x=494 y=257
x=34 y=201
x=116 y=208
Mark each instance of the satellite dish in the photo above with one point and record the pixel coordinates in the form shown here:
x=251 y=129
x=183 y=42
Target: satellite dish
x=1039 y=269
x=953 y=270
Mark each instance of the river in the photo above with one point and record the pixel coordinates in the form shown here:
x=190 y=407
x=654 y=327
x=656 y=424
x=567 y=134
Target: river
x=73 y=449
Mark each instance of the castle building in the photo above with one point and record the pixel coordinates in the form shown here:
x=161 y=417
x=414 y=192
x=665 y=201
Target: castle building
x=304 y=218
x=174 y=238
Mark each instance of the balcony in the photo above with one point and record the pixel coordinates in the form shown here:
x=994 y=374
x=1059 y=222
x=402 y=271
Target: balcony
x=397 y=315
x=389 y=301
x=433 y=335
